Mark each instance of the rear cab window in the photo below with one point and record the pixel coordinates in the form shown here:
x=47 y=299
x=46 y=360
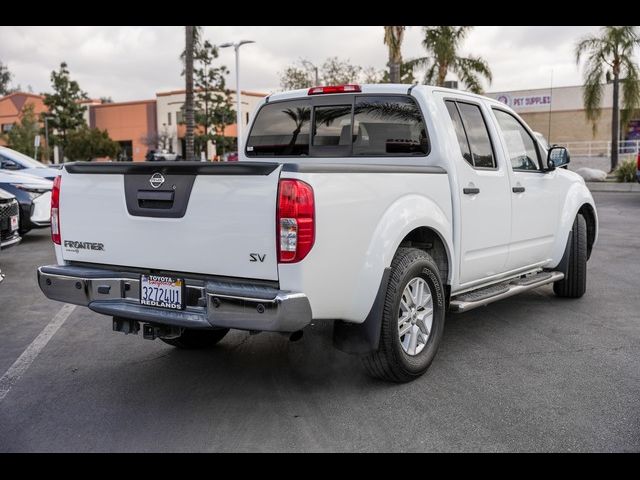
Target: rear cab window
x=281 y=129
x=343 y=125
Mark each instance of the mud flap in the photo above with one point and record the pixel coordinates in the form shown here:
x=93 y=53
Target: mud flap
x=363 y=338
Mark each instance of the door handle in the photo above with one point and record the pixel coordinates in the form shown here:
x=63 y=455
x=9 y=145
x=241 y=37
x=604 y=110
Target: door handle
x=471 y=191
x=518 y=189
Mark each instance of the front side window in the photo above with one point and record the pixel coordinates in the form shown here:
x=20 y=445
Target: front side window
x=478 y=135
x=281 y=129
x=520 y=145
x=388 y=126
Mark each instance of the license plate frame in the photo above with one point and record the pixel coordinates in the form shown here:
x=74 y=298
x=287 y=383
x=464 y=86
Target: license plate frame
x=162 y=291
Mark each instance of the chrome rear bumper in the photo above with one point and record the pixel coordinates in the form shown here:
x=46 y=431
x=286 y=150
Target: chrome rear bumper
x=209 y=303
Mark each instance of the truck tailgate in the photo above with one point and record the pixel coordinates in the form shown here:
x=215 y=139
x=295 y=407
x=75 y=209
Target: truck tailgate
x=215 y=219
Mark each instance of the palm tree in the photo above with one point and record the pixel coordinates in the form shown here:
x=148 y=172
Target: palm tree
x=300 y=116
x=190 y=41
x=393 y=40
x=610 y=58
x=442 y=44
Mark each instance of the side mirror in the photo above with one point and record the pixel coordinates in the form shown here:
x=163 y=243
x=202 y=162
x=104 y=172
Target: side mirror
x=557 y=157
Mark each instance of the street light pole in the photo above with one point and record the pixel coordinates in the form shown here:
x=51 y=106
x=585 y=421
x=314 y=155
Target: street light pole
x=236 y=46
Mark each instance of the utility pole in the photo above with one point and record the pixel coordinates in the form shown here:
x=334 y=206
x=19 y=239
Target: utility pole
x=236 y=46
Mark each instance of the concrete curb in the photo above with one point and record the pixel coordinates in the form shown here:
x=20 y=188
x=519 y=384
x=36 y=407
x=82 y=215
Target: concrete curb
x=613 y=187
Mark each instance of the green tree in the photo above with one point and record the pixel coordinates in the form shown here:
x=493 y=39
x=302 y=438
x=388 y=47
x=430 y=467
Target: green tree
x=339 y=72
x=609 y=56
x=21 y=136
x=442 y=44
x=393 y=36
x=86 y=144
x=406 y=74
x=214 y=109
x=294 y=77
x=191 y=41
x=5 y=79
x=65 y=110
x=371 y=75
x=333 y=71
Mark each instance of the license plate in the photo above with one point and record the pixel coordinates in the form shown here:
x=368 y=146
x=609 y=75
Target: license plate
x=14 y=223
x=161 y=291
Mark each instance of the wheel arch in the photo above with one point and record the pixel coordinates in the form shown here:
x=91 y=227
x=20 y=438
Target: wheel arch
x=578 y=200
x=589 y=214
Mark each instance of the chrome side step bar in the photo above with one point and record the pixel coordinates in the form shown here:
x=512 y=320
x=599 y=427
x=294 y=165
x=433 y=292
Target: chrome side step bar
x=484 y=296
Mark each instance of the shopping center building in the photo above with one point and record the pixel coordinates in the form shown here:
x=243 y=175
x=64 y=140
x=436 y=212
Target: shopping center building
x=558 y=113
x=137 y=126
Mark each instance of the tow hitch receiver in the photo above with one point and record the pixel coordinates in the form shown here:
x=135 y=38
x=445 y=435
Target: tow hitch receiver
x=125 y=326
x=149 y=331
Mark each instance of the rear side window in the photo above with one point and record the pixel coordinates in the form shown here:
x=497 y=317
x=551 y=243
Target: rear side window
x=388 y=126
x=459 y=128
x=478 y=135
x=281 y=129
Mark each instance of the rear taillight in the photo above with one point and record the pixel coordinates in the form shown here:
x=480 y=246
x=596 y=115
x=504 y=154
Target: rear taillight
x=295 y=220
x=55 y=211
x=334 y=89
x=638 y=161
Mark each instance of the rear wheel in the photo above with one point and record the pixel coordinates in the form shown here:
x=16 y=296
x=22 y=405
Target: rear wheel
x=574 y=283
x=412 y=319
x=191 y=339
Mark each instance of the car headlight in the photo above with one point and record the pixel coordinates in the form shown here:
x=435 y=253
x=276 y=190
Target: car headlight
x=34 y=191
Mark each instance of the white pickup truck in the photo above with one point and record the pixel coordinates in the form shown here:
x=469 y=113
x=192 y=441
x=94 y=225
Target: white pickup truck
x=376 y=207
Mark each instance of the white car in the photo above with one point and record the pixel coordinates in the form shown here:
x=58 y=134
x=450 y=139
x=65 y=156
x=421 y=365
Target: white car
x=12 y=160
x=378 y=208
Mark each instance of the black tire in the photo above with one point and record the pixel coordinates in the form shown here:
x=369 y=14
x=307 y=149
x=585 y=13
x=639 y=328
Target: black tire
x=197 y=339
x=574 y=283
x=390 y=362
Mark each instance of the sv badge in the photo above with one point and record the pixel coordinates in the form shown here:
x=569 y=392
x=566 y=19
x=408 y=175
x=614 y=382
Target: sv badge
x=256 y=257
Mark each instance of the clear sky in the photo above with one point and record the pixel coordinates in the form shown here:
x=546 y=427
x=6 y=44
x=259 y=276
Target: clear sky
x=135 y=62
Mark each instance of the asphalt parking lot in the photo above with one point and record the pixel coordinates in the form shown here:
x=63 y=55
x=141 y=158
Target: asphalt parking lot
x=530 y=373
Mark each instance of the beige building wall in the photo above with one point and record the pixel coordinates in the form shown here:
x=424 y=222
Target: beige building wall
x=559 y=114
x=570 y=125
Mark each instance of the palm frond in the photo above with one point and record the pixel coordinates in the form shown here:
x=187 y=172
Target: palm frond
x=431 y=75
x=587 y=44
x=386 y=110
x=630 y=89
x=469 y=70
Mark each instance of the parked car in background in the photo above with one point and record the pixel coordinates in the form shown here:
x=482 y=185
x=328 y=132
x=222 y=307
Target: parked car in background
x=638 y=168
x=9 y=220
x=231 y=157
x=161 y=155
x=33 y=195
x=11 y=160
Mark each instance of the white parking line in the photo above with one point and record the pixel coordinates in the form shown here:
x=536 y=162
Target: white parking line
x=23 y=362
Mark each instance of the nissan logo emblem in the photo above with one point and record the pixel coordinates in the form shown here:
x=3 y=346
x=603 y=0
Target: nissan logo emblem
x=156 y=180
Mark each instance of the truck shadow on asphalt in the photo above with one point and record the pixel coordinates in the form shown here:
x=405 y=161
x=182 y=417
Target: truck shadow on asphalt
x=313 y=364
